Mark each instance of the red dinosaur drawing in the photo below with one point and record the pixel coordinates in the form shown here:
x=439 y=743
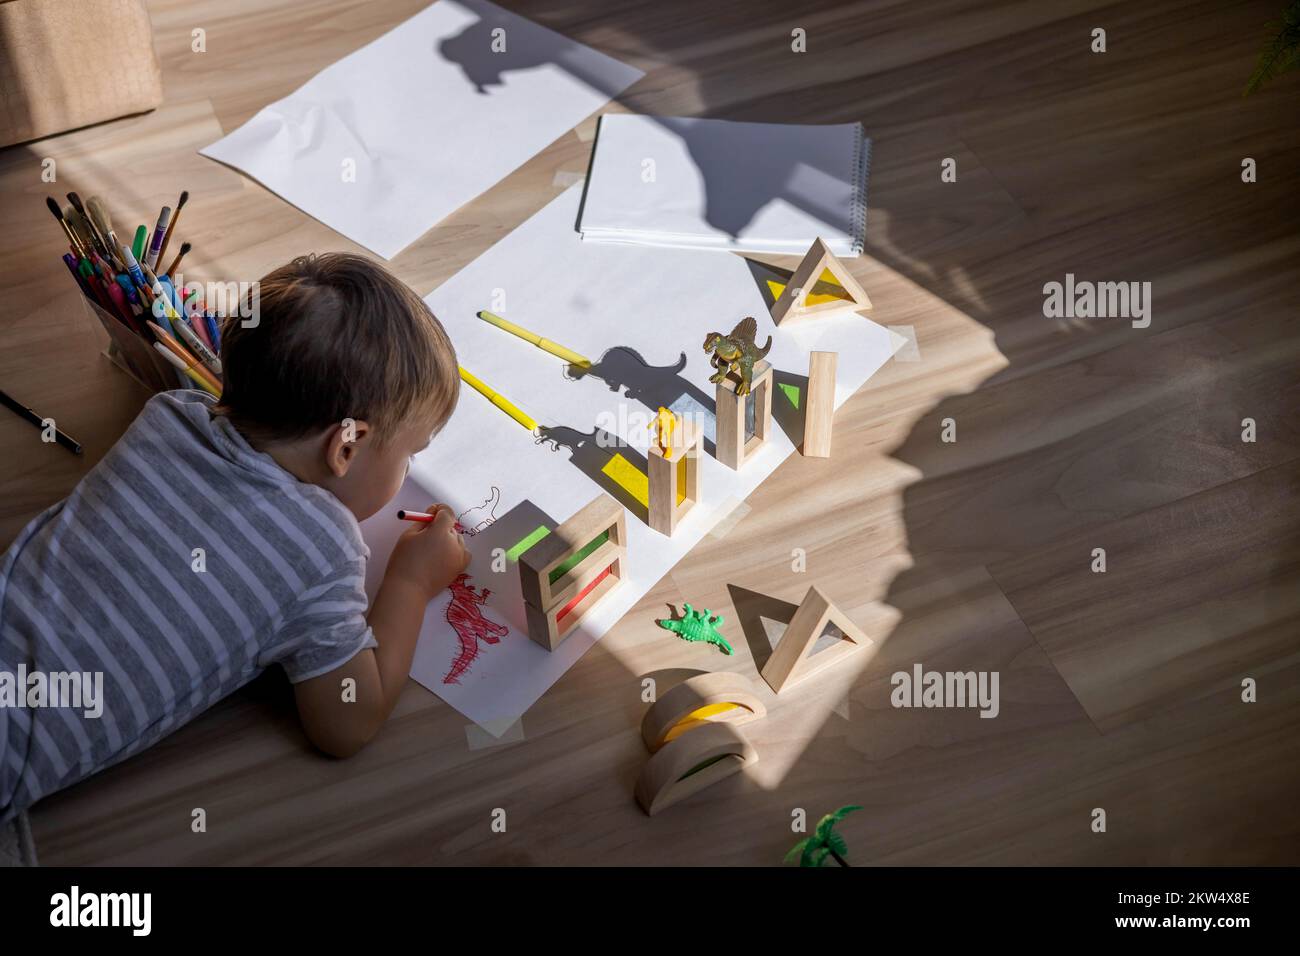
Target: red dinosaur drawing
x=471 y=626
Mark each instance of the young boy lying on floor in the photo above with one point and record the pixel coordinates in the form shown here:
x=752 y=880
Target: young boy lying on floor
x=342 y=376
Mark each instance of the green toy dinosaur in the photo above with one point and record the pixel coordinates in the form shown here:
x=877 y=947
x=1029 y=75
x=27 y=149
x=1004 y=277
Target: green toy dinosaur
x=697 y=626
x=735 y=354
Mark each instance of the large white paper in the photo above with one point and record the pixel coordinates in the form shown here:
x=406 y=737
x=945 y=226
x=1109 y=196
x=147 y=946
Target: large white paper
x=387 y=141
x=716 y=184
x=591 y=298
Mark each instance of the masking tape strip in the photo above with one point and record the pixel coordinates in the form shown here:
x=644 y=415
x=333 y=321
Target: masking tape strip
x=565 y=178
x=911 y=352
x=733 y=518
x=495 y=733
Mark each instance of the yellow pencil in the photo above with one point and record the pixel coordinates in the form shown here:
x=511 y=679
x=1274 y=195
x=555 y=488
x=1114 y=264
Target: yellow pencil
x=182 y=367
x=545 y=345
x=497 y=399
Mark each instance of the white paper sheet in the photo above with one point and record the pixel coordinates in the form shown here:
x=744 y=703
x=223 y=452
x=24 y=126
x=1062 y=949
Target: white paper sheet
x=717 y=184
x=392 y=138
x=590 y=298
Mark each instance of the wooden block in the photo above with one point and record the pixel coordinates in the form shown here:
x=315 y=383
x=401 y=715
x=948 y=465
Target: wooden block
x=674 y=478
x=792 y=304
x=732 y=441
x=819 y=404
x=539 y=564
x=791 y=663
x=721 y=697
x=551 y=626
x=717 y=750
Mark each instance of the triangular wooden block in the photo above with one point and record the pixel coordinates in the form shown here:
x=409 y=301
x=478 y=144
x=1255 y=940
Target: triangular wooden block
x=797 y=657
x=806 y=295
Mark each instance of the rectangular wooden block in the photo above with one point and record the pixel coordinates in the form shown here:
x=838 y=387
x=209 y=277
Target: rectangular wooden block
x=674 y=482
x=819 y=404
x=548 y=575
x=734 y=440
x=549 y=627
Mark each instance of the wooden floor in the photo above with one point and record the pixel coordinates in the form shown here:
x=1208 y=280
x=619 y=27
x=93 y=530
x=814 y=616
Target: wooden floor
x=1119 y=690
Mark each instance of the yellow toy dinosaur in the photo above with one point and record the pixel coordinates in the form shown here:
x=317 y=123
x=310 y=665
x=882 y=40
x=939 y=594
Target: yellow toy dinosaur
x=663 y=426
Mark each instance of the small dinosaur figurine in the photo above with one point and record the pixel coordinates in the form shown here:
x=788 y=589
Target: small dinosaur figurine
x=697 y=626
x=735 y=354
x=663 y=426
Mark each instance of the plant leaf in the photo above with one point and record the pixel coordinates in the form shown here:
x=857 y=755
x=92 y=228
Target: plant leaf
x=1282 y=53
x=796 y=851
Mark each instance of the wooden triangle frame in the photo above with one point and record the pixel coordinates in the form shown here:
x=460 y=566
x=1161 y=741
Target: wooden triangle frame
x=790 y=663
x=792 y=304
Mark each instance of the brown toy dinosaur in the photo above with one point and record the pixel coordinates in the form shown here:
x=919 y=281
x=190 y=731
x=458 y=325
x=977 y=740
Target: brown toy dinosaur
x=736 y=353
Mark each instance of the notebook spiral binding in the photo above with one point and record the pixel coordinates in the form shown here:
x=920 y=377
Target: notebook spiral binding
x=861 y=166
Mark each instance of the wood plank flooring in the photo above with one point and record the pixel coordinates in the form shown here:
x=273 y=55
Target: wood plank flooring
x=1118 y=690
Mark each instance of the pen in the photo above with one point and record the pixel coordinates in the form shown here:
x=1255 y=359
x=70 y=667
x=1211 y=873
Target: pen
x=24 y=412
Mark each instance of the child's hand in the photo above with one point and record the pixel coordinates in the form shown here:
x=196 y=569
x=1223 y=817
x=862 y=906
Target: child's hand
x=429 y=556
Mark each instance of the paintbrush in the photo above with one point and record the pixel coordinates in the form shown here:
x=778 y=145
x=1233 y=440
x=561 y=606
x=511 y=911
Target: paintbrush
x=72 y=236
x=170 y=271
x=82 y=229
x=100 y=242
x=99 y=216
x=171 y=226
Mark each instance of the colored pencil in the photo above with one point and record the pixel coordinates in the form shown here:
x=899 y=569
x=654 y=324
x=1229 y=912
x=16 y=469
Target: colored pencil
x=193 y=376
x=183 y=354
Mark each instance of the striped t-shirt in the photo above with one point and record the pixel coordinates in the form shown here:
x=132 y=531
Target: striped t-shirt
x=179 y=568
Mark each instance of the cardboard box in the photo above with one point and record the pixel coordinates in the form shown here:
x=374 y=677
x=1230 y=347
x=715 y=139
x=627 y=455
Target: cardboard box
x=70 y=63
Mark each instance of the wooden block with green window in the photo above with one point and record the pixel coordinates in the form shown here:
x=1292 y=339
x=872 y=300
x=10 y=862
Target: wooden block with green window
x=564 y=574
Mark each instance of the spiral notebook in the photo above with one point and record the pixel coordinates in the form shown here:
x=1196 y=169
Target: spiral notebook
x=717 y=184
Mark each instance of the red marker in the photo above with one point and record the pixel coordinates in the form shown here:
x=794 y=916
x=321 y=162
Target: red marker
x=426 y=518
